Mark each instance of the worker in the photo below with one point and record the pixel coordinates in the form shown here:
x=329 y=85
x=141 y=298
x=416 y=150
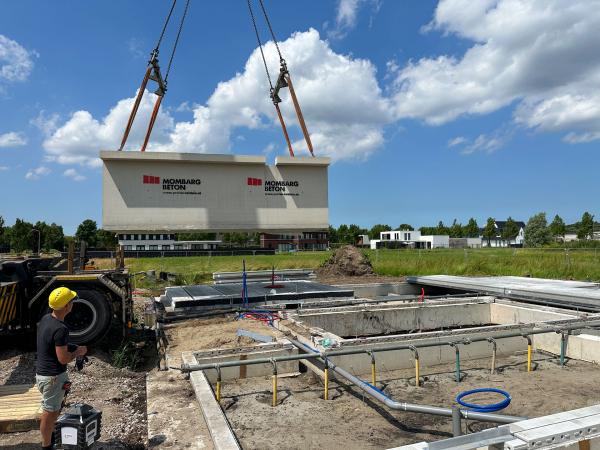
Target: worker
x=53 y=355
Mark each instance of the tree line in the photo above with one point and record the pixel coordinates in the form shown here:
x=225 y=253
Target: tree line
x=26 y=236
x=537 y=230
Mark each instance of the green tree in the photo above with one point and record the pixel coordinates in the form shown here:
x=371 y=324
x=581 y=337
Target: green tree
x=558 y=227
x=441 y=229
x=353 y=232
x=42 y=228
x=489 y=231
x=106 y=239
x=427 y=231
x=405 y=227
x=471 y=229
x=342 y=234
x=585 y=229
x=456 y=230
x=510 y=230
x=86 y=231
x=21 y=236
x=376 y=229
x=537 y=232
x=332 y=235
x=4 y=232
x=54 y=238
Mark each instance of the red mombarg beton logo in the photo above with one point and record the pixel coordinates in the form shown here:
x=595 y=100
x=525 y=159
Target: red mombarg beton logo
x=150 y=179
x=254 y=181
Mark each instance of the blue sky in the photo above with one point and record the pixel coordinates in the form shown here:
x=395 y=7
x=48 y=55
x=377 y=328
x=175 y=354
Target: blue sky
x=430 y=110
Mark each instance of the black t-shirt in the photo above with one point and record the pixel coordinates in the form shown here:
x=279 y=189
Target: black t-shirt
x=50 y=334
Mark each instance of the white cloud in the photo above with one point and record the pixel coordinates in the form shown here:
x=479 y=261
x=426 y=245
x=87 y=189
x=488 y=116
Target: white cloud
x=136 y=47
x=347 y=15
x=540 y=54
x=457 y=141
x=73 y=174
x=16 y=62
x=342 y=103
x=37 y=173
x=269 y=148
x=484 y=143
x=3 y=168
x=46 y=123
x=12 y=139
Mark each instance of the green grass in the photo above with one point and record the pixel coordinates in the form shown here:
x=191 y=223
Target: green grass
x=540 y=263
x=575 y=264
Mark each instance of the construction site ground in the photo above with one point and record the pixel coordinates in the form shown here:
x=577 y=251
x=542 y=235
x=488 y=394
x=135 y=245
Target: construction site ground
x=349 y=420
x=119 y=393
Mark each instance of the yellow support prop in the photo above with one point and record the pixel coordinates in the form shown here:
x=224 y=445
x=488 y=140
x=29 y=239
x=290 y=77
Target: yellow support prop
x=218 y=391
x=417 y=381
x=373 y=375
x=326 y=393
x=274 y=390
x=529 y=358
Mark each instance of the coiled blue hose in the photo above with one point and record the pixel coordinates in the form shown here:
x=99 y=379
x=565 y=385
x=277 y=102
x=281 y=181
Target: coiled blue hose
x=492 y=407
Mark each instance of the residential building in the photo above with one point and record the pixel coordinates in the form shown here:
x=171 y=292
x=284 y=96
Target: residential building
x=162 y=241
x=306 y=241
x=465 y=242
x=498 y=241
x=409 y=239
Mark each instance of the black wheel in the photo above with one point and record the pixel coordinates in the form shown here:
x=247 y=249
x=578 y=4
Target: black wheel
x=90 y=318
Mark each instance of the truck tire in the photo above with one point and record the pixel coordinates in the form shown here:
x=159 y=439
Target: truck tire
x=90 y=318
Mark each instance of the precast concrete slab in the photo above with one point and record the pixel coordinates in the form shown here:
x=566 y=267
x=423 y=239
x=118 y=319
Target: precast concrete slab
x=565 y=293
x=229 y=295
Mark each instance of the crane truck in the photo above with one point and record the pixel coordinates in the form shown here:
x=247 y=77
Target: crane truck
x=104 y=296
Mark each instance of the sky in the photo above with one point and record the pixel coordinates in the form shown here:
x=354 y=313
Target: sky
x=430 y=110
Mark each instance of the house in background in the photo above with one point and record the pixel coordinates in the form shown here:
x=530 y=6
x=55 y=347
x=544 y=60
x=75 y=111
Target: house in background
x=307 y=241
x=498 y=241
x=409 y=239
x=161 y=241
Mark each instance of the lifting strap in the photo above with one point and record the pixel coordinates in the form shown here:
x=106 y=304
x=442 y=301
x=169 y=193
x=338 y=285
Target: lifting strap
x=153 y=73
x=283 y=80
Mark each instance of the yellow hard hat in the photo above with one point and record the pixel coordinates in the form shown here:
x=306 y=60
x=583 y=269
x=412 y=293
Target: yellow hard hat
x=59 y=297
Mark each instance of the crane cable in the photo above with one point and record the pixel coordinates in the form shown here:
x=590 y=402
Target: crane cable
x=283 y=80
x=153 y=73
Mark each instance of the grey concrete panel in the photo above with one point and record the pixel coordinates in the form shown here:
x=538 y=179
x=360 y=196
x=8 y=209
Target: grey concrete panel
x=181 y=191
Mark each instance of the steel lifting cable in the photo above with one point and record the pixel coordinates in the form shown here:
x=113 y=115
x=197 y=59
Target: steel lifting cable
x=162 y=34
x=260 y=46
x=283 y=80
x=187 y=5
x=153 y=73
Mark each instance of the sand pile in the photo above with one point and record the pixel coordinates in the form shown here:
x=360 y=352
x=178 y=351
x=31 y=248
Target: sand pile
x=346 y=261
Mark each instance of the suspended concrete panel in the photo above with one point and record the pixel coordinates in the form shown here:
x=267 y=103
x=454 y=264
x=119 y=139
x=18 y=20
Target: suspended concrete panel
x=186 y=191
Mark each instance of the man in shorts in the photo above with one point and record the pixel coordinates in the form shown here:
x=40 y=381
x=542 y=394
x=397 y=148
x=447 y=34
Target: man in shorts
x=52 y=359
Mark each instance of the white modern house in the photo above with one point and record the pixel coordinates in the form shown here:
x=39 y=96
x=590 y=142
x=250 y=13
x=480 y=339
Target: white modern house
x=498 y=241
x=409 y=239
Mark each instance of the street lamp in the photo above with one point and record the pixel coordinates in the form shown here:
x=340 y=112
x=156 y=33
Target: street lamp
x=39 y=238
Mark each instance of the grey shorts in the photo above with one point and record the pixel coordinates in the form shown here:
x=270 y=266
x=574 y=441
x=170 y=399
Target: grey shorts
x=51 y=388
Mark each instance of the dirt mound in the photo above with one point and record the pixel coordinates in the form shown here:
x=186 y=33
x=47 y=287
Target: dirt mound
x=346 y=261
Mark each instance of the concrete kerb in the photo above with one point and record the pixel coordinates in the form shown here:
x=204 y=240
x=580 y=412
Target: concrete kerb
x=220 y=430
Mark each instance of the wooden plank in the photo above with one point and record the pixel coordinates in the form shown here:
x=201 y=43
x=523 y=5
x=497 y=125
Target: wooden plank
x=9 y=388
x=19 y=408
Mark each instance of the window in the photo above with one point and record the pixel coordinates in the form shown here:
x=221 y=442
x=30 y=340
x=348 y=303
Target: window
x=153 y=247
x=166 y=247
x=135 y=237
x=140 y=247
x=178 y=246
x=127 y=247
x=122 y=237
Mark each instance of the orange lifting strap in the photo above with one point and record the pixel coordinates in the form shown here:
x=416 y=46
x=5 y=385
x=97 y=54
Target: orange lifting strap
x=283 y=80
x=153 y=73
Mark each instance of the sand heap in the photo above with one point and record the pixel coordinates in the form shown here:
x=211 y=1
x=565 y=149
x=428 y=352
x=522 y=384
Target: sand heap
x=346 y=261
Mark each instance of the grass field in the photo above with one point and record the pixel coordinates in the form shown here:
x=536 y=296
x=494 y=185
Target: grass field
x=577 y=264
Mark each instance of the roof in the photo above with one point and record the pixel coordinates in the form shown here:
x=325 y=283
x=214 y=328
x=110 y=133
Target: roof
x=502 y=223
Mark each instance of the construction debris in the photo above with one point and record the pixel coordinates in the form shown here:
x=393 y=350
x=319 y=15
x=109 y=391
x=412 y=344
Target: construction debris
x=346 y=261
